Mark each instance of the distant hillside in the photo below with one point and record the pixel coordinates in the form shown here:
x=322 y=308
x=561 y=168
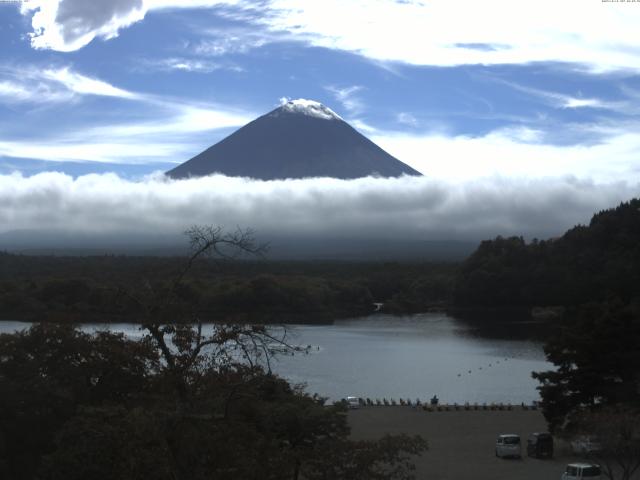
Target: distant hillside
x=588 y=263
x=281 y=247
x=300 y=139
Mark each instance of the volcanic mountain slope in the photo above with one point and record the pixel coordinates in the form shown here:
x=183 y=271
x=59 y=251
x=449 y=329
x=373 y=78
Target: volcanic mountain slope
x=302 y=138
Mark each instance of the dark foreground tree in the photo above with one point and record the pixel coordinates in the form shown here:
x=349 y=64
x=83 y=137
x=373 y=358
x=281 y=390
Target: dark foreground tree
x=617 y=430
x=77 y=406
x=596 y=352
x=185 y=401
x=48 y=372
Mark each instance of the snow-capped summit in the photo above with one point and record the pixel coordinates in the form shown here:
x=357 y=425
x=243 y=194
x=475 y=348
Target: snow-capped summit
x=307 y=107
x=295 y=141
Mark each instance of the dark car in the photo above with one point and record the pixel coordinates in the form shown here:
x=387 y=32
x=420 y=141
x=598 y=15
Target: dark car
x=540 y=445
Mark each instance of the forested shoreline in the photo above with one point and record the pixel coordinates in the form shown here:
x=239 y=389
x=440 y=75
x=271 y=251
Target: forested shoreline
x=503 y=277
x=594 y=262
x=94 y=289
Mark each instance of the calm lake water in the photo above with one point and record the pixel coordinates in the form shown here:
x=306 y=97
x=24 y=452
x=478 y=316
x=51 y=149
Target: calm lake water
x=414 y=356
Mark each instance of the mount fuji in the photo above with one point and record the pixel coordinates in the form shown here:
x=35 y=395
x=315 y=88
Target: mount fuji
x=300 y=139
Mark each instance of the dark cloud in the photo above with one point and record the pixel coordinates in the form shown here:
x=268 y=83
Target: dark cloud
x=81 y=17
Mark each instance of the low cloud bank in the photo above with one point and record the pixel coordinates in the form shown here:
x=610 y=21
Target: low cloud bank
x=371 y=209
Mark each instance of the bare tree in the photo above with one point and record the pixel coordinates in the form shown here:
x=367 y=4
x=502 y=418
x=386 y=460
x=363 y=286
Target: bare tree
x=176 y=328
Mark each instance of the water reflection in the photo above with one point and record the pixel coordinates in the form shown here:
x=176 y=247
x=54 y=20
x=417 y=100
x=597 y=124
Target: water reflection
x=414 y=356
x=417 y=356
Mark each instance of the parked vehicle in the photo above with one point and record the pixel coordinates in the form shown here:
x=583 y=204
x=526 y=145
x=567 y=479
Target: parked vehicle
x=353 y=402
x=578 y=471
x=540 y=445
x=508 y=445
x=585 y=445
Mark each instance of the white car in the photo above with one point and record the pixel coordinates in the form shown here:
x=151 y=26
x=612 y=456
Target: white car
x=578 y=471
x=508 y=445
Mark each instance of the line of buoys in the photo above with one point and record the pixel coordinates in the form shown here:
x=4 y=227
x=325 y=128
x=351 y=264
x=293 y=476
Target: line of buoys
x=430 y=406
x=468 y=407
x=490 y=364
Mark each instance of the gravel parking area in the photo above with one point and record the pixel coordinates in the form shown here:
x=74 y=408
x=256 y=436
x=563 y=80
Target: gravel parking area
x=462 y=443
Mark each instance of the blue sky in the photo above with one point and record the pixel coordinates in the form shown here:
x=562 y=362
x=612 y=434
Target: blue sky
x=134 y=86
x=523 y=116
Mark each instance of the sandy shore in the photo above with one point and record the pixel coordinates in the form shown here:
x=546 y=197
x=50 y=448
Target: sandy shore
x=462 y=443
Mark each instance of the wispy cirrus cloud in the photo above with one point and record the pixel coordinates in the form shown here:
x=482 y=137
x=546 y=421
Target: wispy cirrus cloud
x=348 y=97
x=28 y=83
x=83 y=85
x=184 y=64
x=407 y=118
x=627 y=103
x=73 y=148
x=174 y=138
x=229 y=41
x=12 y=92
x=492 y=32
x=561 y=100
x=164 y=130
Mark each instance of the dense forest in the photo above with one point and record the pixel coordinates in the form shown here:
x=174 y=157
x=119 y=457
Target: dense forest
x=588 y=263
x=93 y=288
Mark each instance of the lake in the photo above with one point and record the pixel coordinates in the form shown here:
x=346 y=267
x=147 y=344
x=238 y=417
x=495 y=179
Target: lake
x=412 y=356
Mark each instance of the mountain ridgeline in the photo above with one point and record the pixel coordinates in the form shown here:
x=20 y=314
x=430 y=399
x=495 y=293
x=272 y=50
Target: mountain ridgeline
x=591 y=263
x=300 y=139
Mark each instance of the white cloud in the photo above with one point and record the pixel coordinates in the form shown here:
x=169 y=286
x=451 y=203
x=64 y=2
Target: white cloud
x=67 y=25
x=364 y=127
x=596 y=34
x=408 y=208
x=515 y=152
x=407 y=118
x=600 y=35
x=347 y=97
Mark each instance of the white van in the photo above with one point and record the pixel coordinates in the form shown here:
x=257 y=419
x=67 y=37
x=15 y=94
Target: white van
x=508 y=445
x=353 y=402
x=578 y=471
